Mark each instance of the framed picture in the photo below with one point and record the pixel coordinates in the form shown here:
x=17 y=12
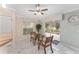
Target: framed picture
x=27 y=30
x=73 y=19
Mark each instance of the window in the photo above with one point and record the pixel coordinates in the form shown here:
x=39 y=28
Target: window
x=5 y=24
x=52 y=26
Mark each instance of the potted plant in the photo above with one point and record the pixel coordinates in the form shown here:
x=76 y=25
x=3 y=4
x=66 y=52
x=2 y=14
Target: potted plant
x=38 y=27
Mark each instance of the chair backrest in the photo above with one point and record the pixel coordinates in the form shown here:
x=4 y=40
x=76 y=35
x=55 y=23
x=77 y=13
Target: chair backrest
x=40 y=36
x=49 y=40
x=32 y=34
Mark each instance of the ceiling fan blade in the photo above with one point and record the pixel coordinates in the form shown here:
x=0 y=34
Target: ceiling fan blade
x=32 y=10
x=44 y=9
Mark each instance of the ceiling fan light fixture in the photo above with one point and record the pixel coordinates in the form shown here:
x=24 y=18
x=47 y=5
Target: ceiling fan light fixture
x=34 y=13
x=38 y=10
x=42 y=13
x=39 y=13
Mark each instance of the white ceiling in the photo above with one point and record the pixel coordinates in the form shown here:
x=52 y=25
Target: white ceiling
x=53 y=9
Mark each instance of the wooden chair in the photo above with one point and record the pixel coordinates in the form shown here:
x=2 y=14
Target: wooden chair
x=39 y=37
x=45 y=43
x=33 y=37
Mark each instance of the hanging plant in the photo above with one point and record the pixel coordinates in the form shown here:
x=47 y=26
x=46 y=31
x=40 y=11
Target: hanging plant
x=38 y=27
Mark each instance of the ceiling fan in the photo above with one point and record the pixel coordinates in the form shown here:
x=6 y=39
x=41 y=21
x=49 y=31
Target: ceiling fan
x=38 y=10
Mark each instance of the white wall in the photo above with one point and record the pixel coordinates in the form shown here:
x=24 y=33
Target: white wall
x=70 y=32
x=5 y=24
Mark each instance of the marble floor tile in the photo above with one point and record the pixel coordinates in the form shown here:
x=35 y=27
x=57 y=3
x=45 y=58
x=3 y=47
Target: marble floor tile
x=26 y=47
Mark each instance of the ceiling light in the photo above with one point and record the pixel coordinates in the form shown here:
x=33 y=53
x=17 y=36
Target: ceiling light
x=4 y=5
x=38 y=10
x=39 y=13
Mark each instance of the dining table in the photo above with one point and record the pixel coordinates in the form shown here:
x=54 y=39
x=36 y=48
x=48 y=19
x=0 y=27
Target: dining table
x=56 y=36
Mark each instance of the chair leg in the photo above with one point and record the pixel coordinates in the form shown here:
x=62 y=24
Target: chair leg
x=30 y=39
x=51 y=48
x=38 y=46
x=44 y=50
x=34 y=42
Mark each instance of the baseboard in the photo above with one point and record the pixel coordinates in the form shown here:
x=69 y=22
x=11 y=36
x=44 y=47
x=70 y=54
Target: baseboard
x=70 y=46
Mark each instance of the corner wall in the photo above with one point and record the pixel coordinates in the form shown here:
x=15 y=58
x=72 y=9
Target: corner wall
x=69 y=31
